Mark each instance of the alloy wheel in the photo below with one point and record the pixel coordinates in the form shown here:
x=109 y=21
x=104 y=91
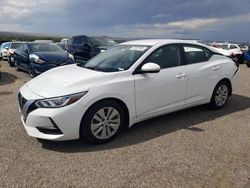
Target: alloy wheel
x=221 y=95
x=105 y=123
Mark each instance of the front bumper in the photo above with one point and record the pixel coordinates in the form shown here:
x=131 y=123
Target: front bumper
x=51 y=124
x=4 y=56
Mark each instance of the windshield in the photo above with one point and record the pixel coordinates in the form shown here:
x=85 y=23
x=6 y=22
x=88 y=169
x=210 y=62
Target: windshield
x=5 y=45
x=45 y=47
x=15 y=45
x=118 y=58
x=101 y=41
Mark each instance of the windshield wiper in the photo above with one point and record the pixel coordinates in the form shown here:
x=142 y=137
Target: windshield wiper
x=95 y=68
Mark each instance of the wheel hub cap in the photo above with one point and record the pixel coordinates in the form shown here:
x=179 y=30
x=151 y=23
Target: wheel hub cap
x=221 y=95
x=105 y=123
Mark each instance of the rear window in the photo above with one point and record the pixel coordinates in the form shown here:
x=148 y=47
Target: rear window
x=194 y=54
x=79 y=40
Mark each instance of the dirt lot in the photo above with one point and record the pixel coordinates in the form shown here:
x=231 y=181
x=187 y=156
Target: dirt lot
x=197 y=147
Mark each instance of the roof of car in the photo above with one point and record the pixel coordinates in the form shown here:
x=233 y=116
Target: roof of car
x=152 y=42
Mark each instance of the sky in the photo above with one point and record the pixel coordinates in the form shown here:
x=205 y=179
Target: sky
x=224 y=20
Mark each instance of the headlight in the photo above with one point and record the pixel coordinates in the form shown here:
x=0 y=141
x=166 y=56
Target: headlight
x=71 y=56
x=36 y=59
x=59 y=102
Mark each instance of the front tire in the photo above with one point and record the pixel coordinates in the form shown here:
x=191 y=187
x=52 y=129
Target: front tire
x=220 y=95
x=10 y=62
x=16 y=66
x=31 y=72
x=102 y=122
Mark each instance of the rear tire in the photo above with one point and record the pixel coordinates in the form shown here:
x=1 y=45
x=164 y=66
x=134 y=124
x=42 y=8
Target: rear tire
x=102 y=122
x=220 y=95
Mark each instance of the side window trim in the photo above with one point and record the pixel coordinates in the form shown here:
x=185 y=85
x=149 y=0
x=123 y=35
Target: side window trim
x=195 y=46
x=137 y=70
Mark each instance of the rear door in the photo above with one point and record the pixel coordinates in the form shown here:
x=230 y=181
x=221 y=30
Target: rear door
x=202 y=73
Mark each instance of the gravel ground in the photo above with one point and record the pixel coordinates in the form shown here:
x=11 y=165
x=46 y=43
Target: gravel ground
x=196 y=147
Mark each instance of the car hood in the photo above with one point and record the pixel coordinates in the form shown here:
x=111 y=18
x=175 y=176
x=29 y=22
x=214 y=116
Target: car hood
x=67 y=80
x=53 y=56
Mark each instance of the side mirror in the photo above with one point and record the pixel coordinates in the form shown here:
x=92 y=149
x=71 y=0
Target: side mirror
x=150 y=68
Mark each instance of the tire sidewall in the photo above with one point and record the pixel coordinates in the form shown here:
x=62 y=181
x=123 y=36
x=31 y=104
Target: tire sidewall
x=10 y=62
x=16 y=65
x=31 y=71
x=213 y=102
x=85 y=129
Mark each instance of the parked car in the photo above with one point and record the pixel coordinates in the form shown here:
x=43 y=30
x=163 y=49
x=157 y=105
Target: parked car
x=128 y=83
x=85 y=47
x=37 y=58
x=10 y=53
x=243 y=47
x=3 y=50
x=230 y=50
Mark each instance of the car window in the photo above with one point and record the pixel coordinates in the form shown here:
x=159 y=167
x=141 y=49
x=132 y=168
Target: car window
x=166 y=56
x=101 y=41
x=15 y=45
x=5 y=45
x=194 y=54
x=79 y=40
x=20 y=49
x=117 y=58
x=224 y=46
x=24 y=48
x=208 y=54
x=233 y=47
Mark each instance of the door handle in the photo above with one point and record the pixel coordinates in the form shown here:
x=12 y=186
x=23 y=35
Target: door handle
x=181 y=75
x=216 y=68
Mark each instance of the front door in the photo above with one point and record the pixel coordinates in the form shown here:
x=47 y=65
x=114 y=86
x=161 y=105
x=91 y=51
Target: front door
x=158 y=92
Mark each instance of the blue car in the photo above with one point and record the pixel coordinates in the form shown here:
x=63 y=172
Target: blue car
x=36 y=58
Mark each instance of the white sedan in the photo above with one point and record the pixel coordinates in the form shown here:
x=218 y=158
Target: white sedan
x=128 y=83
